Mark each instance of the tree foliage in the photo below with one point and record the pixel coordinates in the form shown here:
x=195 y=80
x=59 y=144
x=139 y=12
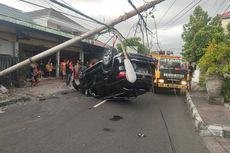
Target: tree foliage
x=216 y=21
x=216 y=59
x=228 y=28
x=207 y=45
x=134 y=41
x=197 y=21
x=204 y=36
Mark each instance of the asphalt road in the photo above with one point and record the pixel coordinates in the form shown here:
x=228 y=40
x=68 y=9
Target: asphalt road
x=69 y=123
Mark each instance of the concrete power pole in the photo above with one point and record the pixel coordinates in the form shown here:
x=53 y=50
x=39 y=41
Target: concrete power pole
x=79 y=38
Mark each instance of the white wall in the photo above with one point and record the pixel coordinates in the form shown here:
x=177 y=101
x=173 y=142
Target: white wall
x=224 y=24
x=41 y=21
x=52 y=22
x=196 y=75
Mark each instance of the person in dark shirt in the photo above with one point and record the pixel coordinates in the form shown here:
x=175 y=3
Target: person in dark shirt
x=69 y=72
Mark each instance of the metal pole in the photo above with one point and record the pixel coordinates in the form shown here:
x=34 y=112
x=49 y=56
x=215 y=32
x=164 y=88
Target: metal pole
x=57 y=64
x=79 y=38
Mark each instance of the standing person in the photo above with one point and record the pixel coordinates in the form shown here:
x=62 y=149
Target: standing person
x=42 y=69
x=190 y=72
x=49 y=67
x=71 y=66
x=63 y=69
x=76 y=69
x=69 y=71
x=34 y=74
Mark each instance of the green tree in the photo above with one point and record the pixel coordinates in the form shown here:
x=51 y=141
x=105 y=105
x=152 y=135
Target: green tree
x=228 y=29
x=216 y=59
x=134 y=41
x=197 y=21
x=216 y=21
x=204 y=36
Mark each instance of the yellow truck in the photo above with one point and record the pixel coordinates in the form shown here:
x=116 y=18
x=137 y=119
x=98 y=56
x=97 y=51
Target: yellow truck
x=170 y=73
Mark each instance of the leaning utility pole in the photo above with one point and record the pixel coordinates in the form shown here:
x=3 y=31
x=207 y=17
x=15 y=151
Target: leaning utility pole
x=79 y=38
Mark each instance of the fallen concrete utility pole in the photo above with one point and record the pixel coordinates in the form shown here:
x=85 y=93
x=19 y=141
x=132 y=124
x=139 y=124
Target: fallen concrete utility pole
x=79 y=38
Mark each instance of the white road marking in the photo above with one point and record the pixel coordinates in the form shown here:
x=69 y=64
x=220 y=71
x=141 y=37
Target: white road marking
x=100 y=103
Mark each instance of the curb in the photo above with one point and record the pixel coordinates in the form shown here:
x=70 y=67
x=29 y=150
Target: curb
x=198 y=121
x=206 y=130
x=13 y=101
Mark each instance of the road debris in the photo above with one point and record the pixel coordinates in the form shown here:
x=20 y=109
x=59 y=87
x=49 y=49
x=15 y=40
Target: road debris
x=141 y=135
x=42 y=99
x=116 y=118
x=3 y=89
x=109 y=130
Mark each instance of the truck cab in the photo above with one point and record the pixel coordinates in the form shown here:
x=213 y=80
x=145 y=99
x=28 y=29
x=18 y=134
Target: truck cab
x=170 y=73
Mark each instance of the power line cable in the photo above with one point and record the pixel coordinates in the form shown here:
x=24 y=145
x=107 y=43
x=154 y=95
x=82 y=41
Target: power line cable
x=219 y=6
x=221 y=9
x=47 y=1
x=226 y=10
x=56 y=10
x=108 y=41
x=74 y=16
x=174 y=17
x=78 y=12
x=131 y=28
x=142 y=33
x=156 y=32
x=140 y=19
x=136 y=27
x=146 y=31
x=99 y=22
x=86 y=16
x=166 y=12
x=69 y=7
x=144 y=23
x=183 y=14
x=144 y=1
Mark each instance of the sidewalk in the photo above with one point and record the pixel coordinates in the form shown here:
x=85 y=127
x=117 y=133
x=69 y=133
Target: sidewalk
x=210 y=120
x=47 y=87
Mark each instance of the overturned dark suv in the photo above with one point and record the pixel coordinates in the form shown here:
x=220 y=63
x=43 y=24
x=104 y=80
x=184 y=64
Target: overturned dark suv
x=107 y=78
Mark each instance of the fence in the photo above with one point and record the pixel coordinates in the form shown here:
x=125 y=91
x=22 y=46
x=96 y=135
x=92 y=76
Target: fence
x=5 y=62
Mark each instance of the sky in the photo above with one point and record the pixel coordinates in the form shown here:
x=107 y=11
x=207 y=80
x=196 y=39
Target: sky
x=169 y=23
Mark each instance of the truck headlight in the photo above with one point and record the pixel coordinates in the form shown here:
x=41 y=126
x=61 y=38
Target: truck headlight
x=161 y=80
x=183 y=82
